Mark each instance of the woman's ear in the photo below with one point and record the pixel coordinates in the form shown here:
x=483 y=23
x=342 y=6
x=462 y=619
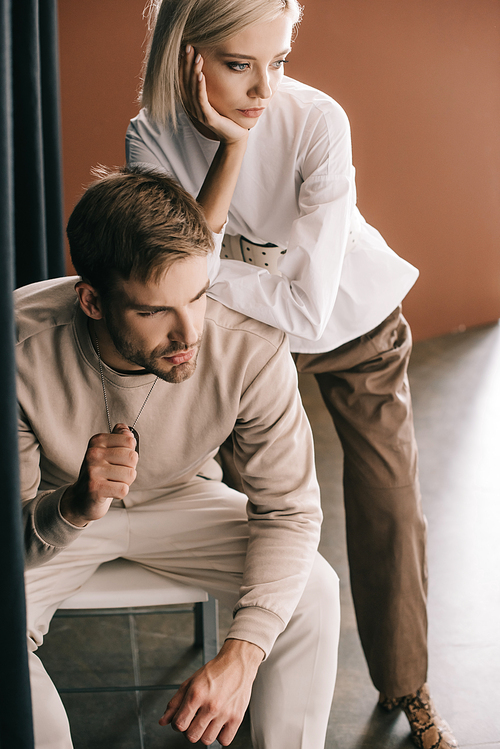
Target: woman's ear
x=89 y=299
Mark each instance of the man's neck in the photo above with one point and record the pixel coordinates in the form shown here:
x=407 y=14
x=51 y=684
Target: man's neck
x=107 y=351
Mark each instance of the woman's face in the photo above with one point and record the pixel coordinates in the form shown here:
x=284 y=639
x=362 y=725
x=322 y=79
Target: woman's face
x=243 y=73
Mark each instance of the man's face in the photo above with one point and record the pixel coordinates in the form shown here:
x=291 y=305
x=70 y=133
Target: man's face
x=159 y=326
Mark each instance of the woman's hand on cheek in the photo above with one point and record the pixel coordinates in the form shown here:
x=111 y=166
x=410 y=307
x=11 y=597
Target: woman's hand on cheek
x=197 y=105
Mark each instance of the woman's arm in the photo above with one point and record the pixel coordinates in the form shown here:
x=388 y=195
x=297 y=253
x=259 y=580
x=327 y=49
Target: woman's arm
x=217 y=190
x=318 y=211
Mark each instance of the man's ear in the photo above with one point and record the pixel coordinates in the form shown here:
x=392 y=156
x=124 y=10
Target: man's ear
x=89 y=299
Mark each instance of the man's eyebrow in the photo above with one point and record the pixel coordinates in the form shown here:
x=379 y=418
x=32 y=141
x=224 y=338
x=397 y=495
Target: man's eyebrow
x=200 y=293
x=162 y=308
x=239 y=56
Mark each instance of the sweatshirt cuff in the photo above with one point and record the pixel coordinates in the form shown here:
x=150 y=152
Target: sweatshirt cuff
x=256 y=625
x=49 y=524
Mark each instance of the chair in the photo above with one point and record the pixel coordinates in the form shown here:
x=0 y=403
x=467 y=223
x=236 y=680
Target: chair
x=121 y=587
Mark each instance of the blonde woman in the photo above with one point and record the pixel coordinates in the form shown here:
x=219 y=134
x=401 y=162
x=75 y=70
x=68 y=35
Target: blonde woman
x=269 y=159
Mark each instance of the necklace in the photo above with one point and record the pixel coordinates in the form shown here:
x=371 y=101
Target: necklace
x=132 y=428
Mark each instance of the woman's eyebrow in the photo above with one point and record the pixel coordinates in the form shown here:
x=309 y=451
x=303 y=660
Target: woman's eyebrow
x=239 y=56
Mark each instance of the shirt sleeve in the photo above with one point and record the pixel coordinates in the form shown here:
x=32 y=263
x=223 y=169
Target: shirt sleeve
x=300 y=300
x=273 y=451
x=45 y=530
x=143 y=155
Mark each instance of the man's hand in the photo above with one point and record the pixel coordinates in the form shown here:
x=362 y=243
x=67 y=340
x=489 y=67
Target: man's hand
x=211 y=704
x=107 y=472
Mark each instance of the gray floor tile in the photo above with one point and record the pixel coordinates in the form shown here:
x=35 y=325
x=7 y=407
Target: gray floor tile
x=103 y=721
x=88 y=652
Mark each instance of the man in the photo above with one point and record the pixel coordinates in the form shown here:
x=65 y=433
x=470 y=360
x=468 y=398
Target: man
x=126 y=390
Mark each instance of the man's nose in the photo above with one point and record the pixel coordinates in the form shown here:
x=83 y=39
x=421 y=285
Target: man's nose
x=185 y=331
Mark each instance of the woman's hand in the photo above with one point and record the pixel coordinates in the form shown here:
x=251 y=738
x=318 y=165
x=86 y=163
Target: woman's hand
x=195 y=100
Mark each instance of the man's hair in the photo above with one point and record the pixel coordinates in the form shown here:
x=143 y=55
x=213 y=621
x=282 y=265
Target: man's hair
x=134 y=223
x=201 y=23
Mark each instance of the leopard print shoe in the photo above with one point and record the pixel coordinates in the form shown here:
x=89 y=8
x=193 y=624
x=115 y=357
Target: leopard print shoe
x=428 y=729
x=389 y=703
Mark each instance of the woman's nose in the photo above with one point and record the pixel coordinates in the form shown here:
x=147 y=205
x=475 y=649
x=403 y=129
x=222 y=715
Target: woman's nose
x=262 y=88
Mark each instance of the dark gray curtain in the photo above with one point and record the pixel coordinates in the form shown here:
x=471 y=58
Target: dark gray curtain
x=37 y=165
x=31 y=249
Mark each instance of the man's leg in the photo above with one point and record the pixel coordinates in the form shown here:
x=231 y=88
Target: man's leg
x=198 y=534
x=46 y=587
x=204 y=537
x=293 y=692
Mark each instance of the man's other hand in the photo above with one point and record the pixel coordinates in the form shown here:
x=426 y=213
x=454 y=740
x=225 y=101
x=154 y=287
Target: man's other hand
x=211 y=704
x=107 y=472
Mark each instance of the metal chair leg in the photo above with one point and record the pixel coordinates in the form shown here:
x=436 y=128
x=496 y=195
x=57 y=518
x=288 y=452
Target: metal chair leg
x=206 y=633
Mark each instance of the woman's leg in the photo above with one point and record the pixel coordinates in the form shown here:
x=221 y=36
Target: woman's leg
x=365 y=387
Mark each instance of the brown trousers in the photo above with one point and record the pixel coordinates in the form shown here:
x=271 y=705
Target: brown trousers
x=364 y=385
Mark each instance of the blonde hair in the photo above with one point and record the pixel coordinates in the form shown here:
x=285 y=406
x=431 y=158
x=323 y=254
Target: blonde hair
x=202 y=23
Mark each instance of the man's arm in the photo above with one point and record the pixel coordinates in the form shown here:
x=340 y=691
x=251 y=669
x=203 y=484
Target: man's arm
x=275 y=456
x=53 y=519
x=211 y=704
x=107 y=472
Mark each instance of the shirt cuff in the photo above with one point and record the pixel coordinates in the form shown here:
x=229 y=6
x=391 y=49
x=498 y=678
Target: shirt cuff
x=50 y=526
x=213 y=259
x=258 y=626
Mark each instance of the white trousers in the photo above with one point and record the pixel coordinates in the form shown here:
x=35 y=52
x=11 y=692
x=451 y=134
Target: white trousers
x=198 y=534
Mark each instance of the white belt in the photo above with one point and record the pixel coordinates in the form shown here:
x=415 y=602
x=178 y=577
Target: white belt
x=237 y=247
x=262 y=255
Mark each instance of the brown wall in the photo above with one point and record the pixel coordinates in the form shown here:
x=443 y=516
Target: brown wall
x=420 y=83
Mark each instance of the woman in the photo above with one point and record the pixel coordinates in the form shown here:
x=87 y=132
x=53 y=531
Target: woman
x=273 y=156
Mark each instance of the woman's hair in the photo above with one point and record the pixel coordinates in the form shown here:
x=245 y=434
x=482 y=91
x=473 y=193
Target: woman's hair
x=201 y=23
x=134 y=223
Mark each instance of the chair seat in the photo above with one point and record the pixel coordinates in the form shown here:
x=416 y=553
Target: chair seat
x=124 y=584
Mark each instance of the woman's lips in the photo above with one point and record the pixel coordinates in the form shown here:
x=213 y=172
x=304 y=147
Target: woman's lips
x=255 y=112
x=181 y=357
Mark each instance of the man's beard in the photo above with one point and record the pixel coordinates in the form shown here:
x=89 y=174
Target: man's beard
x=151 y=361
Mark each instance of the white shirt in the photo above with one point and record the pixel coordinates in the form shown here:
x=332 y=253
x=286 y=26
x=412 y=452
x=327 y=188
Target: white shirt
x=338 y=278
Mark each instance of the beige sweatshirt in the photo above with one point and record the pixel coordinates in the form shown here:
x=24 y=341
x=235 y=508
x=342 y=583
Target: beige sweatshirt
x=245 y=381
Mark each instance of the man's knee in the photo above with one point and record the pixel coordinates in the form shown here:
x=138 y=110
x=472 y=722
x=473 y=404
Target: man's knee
x=321 y=595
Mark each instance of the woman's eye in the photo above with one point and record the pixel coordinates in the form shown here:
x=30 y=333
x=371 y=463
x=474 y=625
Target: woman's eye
x=238 y=66
x=279 y=63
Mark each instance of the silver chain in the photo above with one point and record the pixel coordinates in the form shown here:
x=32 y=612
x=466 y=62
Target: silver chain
x=106 y=397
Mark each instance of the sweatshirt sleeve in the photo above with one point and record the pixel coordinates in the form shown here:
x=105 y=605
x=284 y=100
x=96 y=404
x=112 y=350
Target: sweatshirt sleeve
x=45 y=530
x=273 y=451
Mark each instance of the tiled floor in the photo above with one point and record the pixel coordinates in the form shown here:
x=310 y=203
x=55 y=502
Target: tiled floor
x=456 y=391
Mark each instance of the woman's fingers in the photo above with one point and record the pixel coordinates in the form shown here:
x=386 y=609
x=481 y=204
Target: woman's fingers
x=197 y=104
x=191 y=72
x=186 y=78
x=206 y=108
